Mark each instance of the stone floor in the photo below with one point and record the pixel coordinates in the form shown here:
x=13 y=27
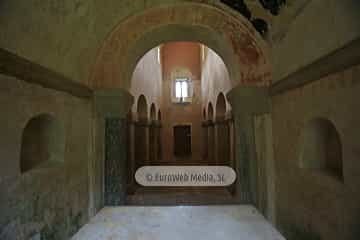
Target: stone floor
x=178 y=223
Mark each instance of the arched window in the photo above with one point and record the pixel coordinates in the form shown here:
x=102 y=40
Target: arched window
x=183 y=90
x=42 y=143
x=321 y=148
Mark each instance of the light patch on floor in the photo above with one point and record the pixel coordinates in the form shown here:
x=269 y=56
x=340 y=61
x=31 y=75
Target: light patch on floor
x=178 y=223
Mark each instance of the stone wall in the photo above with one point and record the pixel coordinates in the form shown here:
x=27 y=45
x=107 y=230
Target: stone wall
x=49 y=201
x=312 y=204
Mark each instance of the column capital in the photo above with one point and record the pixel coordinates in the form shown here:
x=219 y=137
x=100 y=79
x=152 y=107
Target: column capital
x=113 y=102
x=251 y=100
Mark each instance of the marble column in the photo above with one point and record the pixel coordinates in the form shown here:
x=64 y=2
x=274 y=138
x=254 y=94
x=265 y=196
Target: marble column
x=247 y=102
x=112 y=106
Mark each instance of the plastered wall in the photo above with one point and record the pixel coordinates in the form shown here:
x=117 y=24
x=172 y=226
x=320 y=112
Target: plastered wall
x=181 y=59
x=147 y=81
x=319 y=28
x=214 y=79
x=310 y=203
x=53 y=201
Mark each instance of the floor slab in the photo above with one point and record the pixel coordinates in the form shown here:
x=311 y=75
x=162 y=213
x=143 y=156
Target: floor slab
x=178 y=223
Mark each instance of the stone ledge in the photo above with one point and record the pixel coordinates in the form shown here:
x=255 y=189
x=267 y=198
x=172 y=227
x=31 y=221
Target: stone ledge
x=23 y=69
x=334 y=62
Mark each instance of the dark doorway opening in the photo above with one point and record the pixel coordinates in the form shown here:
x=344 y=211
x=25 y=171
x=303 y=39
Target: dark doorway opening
x=182 y=140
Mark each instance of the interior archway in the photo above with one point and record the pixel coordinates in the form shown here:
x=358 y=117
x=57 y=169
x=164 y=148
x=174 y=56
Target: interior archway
x=245 y=50
x=210 y=112
x=142 y=109
x=153 y=112
x=220 y=107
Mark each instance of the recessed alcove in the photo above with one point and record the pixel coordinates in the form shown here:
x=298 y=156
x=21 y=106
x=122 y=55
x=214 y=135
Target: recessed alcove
x=42 y=144
x=321 y=148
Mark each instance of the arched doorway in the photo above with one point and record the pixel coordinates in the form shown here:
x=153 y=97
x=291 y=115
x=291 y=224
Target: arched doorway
x=244 y=53
x=125 y=46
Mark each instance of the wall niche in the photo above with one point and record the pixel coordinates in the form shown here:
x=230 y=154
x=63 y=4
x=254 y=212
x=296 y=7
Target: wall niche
x=321 y=148
x=42 y=143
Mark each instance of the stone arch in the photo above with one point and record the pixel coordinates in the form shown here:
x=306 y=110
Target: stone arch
x=142 y=109
x=152 y=112
x=42 y=143
x=204 y=114
x=321 y=147
x=220 y=107
x=231 y=36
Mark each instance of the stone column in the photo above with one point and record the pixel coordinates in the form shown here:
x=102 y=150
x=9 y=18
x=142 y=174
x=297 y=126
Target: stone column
x=232 y=149
x=221 y=142
x=131 y=157
x=159 y=141
x=247 y=102
x=216 y=147
x=142 y=148
x=211 y=142
x=205 y=141
x=153 y=141
x=112 y=106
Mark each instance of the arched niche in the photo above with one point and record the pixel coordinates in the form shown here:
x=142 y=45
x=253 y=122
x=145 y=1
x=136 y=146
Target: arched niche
x=159 y=115
x=142 y=109
x=216 y=28
x=152 y=112
x=210 y=111
x=220 y=107
x=42 y=143
x=321 y=148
